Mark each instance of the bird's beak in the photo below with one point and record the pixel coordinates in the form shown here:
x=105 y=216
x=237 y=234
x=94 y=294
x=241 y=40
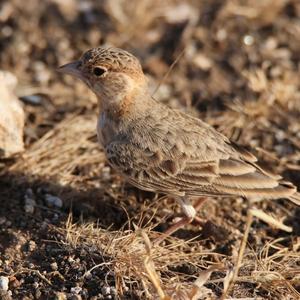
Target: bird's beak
x=72 y=68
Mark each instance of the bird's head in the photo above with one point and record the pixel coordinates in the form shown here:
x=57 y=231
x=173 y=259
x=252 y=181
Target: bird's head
x=111 y=73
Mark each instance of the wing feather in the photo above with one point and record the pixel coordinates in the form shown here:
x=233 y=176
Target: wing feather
x=183 y=155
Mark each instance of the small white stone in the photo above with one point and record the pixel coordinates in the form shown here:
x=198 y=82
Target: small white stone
x=106 y=173
x=35 y=285
x=88 y=275
x=54 y=266
x=202 y=61
x=106 y=290
x=248 y=40
x=53 y=201
x=4 y=283
x=76 y=290
x=221 y=34
x=31 y=245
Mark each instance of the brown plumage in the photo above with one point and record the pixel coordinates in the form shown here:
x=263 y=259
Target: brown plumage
x=165 y=150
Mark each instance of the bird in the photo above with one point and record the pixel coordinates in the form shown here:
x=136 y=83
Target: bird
x=164 y=150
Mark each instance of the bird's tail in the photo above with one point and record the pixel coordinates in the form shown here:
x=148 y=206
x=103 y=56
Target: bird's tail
x=295 y=198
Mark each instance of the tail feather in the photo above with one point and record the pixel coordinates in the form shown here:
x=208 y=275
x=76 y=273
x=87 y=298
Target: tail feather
x=295 y=198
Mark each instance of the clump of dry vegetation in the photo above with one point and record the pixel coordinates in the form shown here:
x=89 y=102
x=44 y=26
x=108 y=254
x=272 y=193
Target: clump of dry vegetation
x=237 y=67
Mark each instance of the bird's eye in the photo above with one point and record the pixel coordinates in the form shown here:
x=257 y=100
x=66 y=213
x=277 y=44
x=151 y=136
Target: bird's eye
x=98 y=71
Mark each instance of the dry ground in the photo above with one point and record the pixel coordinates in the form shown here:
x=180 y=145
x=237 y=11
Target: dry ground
x=239 y=71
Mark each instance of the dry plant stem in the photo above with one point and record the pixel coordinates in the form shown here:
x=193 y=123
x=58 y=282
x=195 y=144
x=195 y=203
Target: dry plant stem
x=38 y=273
x=241 y=253
x=149 y=264
x=169 y=71
x=181 y=223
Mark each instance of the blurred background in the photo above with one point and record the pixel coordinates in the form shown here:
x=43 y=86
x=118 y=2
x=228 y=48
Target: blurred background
x=237 y=67
x=228 y=52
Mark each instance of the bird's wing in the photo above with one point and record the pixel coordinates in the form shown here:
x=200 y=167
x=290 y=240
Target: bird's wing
x=188 y=157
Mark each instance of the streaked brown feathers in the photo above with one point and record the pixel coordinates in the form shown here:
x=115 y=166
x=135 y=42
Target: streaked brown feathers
x=165 y=150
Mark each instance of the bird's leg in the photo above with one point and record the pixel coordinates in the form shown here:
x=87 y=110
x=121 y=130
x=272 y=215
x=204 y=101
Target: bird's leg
x=197 y=207
x=190 y=215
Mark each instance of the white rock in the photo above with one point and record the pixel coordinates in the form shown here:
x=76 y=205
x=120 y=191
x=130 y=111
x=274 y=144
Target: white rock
x=53 y=201
x=76 y=290
x=11 y=117
x=4 y=283
x=108 y=291
x=202 y=61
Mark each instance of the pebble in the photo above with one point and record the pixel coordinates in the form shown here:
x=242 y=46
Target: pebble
x=76 y=290
x=4 y=283
x=29 y=202
x=54 y=266
x=248 y=40
x=53 y=201
x=35 y=285
x=108 y=291
x=31 y=245
x=106 y=174
x=202 y=61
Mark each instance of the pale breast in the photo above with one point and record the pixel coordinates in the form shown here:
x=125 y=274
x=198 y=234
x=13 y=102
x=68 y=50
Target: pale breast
x=100 y=126
x=106 y=129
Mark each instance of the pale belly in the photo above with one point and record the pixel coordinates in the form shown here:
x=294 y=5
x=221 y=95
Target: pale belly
x=101 y=123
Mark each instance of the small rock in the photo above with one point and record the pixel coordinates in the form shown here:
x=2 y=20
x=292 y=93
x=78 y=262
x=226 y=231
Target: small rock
x=53 y=201
x=4 y=283
x=35 y=285
x=31 y=245
x=202 y=61
x=248 y=40
x=70 y=259
x=76 y=290
x=106 y=174
x=108 y=291
x=12 y=116
x=54 y=266
x=88 y=275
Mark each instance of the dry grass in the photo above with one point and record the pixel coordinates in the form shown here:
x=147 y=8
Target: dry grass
x=59 y=152
x=130 y=256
